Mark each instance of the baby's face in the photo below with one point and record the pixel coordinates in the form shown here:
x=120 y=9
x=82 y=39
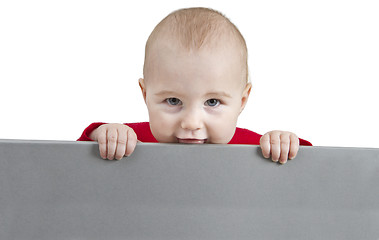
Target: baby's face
x=194 y=97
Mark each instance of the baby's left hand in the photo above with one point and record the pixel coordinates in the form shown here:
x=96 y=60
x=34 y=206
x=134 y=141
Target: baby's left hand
x=280 y=145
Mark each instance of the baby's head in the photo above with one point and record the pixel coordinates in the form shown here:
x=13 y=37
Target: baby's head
x=195 y=77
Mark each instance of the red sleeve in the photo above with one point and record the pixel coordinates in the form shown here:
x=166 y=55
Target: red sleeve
x=245 y=136
x=143 y=131
x=88 y=130
x=305 y=142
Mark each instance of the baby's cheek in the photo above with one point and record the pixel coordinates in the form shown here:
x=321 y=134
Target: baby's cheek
x=222 y=130
x=162 y=127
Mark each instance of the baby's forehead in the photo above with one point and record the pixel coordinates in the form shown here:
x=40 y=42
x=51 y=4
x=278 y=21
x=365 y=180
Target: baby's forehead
x=179 y=67
x=170 y=59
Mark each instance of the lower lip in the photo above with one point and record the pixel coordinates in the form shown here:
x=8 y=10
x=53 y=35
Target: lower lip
x=192 y=141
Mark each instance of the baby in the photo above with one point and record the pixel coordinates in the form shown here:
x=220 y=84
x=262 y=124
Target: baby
x=195 y=86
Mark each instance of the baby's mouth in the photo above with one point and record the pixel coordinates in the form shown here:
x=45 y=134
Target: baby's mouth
x=192 y=140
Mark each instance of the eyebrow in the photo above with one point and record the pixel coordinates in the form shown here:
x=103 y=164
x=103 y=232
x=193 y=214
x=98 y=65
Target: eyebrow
x=221 y=93
x=165 y=92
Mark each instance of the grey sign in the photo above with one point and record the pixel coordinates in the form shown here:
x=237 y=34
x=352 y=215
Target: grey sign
x=53 y=190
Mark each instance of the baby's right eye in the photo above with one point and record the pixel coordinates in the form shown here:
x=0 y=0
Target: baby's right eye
x=173 y=101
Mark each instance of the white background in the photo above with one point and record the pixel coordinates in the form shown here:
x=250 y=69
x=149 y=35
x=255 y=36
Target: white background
x=314 y=65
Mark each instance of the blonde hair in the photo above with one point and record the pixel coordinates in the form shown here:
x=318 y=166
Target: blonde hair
x=196 y=28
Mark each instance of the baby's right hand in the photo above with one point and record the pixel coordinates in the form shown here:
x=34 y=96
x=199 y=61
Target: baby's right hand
x=115 y=140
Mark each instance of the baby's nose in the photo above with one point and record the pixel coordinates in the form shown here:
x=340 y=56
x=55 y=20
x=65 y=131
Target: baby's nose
x=192 y=121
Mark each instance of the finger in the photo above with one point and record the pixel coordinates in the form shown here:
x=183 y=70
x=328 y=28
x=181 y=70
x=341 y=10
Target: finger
x=132 y=142
x=111 y=141
x=275 y=146
x=121 y=143
x=294 y=149
x=284 y=147
x=265 y=145
x=102 y=140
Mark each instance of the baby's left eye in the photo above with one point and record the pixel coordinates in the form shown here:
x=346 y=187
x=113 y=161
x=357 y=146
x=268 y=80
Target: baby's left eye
x=212 y=102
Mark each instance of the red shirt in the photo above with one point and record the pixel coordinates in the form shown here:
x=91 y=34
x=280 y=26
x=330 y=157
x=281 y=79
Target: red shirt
x=142 y=129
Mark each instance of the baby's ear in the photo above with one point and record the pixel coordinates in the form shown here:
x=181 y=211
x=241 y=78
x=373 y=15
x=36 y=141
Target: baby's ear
x=245 y=96
x=141 y=83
